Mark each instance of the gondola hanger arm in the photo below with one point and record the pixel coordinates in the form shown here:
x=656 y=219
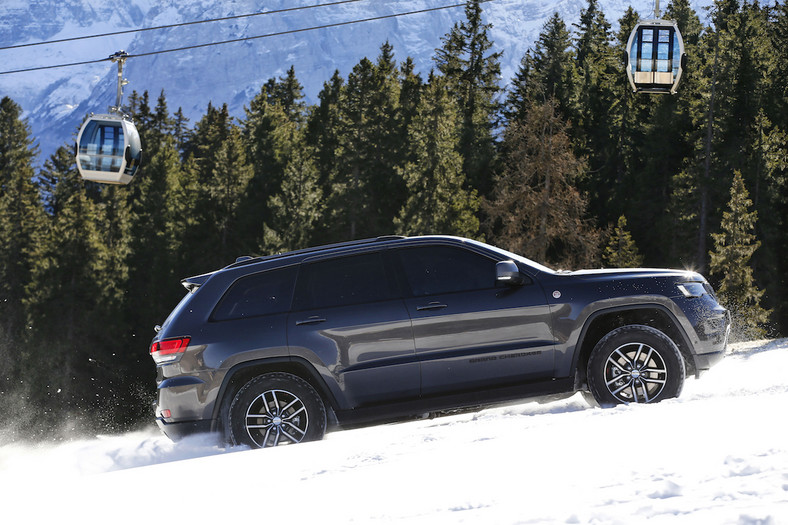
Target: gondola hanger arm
x=120 y=57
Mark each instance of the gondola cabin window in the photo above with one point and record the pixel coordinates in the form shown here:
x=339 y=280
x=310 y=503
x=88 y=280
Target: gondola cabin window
x=102 y=147
x=655 y=57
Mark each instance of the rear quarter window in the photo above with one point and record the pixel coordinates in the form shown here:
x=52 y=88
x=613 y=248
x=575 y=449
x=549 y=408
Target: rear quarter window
x=258 y=294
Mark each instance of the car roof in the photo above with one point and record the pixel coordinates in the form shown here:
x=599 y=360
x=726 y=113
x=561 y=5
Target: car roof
x=296 y=256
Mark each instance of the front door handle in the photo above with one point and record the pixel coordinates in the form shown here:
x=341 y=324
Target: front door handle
x=312 y=320
x=435 y=305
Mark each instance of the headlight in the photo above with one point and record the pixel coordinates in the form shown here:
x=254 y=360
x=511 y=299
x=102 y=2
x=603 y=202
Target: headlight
x=692 y=289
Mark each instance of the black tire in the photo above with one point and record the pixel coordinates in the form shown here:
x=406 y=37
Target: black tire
x=635 y=364
x=276 y=409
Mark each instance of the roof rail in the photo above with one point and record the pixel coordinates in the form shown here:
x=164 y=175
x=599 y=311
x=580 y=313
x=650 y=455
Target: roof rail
x=241 y=261
x=388 y=238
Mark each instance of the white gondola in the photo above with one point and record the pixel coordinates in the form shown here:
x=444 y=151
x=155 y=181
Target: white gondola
x=108 y=146
x=655 y=56
x=109 y=149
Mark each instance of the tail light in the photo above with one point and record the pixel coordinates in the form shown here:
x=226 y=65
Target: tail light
x=168 y=350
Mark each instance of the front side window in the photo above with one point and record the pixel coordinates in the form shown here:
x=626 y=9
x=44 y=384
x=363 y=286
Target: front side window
x=432 y=270
x=257 y=294
x=343 y=281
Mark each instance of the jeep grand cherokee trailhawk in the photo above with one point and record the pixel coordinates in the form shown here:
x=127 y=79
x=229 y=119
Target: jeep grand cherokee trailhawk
x=271 y=350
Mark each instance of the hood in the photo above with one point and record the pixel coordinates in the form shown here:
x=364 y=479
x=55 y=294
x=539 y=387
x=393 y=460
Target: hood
x=628 y=273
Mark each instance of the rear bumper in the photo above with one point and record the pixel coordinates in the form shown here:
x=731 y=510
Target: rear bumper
x=182 y=429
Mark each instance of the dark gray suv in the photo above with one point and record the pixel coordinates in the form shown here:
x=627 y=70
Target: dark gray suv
x=273 y=350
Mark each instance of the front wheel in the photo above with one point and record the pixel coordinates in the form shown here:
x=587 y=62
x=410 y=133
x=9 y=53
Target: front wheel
x=635 y=364
x=276 y=409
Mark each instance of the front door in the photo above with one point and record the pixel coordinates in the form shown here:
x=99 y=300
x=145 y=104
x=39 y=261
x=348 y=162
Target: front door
x=471 y=332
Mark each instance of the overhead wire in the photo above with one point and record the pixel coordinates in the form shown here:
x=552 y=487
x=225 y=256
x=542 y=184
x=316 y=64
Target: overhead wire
x=180 y=24
x=235 y=40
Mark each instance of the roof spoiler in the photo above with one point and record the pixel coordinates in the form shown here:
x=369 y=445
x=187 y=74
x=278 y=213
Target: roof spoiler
x=192 y=283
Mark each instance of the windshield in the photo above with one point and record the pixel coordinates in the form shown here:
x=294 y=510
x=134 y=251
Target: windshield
x=519 y=258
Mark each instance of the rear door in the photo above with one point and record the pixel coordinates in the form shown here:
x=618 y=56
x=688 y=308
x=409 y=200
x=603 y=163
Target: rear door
x=469 y=331
x=350 y=321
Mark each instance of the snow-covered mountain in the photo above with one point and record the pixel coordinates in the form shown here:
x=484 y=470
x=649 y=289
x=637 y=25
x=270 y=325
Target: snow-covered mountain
x=55 y=100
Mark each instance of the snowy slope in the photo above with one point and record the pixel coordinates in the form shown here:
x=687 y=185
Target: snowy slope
x=56 y=100
x=716 y=455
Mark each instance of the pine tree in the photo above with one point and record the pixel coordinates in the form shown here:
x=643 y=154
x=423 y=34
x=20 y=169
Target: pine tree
x=64 y=302
x=350 y=196
x=730 y=260
x=298 y=207
x=546 y=71
x=22 y=222
x=388 y=139
x=632 y=138
x=181 y=130
x=228 y=184
x=599 y=112
x=153 y=269
x=21 y=214
x=778 y=34
x=536 y=208
x=654 y=141
x=272 y=116
x=288 y=93
x=323 y=127
x=438 y=201
x=770 y=259
x=621 y=251
x=473 y=79
x=409 y=97
x=216 y=176
x=364 y=191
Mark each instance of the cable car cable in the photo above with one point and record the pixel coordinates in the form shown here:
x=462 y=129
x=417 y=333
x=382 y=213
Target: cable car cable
x=181 y=24
x=292 y=31
x=235 y=40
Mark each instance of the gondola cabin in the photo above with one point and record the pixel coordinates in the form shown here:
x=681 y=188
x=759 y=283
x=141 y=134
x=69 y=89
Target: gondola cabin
x=108 y=149
x=655 y=57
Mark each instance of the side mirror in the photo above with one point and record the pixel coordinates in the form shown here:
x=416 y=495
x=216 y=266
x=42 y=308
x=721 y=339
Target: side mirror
x=507 y=272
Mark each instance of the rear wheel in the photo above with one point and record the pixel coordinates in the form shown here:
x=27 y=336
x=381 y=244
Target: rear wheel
x=635 y=364
x=276 y=409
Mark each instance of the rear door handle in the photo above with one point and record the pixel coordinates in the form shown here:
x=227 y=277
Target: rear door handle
x=312 y=320
x=435 y=305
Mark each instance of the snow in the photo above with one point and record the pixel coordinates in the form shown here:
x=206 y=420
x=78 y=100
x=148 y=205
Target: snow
x=718 y=454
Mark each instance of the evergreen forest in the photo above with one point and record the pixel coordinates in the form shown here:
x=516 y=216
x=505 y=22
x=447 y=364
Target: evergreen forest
x=564 y=165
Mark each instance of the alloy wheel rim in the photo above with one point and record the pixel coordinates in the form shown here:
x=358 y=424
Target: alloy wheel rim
x=276 y=417
x=635 y=373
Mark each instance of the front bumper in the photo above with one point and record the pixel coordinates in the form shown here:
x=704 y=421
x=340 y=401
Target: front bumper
x=704 y=362
x=715 y=333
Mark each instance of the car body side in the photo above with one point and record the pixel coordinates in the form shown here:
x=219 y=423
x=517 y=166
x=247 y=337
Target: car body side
x=381 y=368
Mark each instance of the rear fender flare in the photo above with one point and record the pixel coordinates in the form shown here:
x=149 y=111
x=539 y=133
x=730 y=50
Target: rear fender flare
x=241 y=373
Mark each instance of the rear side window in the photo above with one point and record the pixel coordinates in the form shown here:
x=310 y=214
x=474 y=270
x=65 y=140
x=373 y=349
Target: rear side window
x=434 y=270
x=343 y=281
x=257 y=294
